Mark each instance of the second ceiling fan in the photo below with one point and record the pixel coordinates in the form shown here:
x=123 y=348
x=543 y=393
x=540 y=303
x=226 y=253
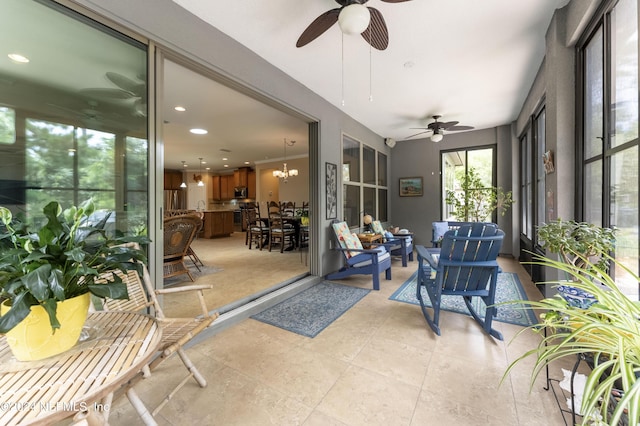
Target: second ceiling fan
x=353 y=18
x=438 y=127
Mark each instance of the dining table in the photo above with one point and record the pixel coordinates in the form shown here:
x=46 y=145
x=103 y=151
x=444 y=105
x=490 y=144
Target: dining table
x=113 y=349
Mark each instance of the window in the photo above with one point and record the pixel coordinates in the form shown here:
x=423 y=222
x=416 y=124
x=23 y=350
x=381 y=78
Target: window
x=456 y=165
x=608 y=137
x=366 y=191
x=7 y=125
x=59 y=142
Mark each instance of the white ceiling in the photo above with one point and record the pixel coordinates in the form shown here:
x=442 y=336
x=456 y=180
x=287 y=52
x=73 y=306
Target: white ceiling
x=467 y=60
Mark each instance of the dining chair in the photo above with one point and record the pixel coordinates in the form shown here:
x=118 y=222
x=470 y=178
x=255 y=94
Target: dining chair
x=281 y=229
x=257 y=229
x=176 y=332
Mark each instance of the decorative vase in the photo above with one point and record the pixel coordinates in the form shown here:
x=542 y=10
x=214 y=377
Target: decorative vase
x=33 y=338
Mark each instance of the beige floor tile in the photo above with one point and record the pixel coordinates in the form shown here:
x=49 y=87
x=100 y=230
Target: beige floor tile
x=234 y=399
x=378 y=364
x=362 y=397
x=320 y=419
x=393 y=359
x=308 y=376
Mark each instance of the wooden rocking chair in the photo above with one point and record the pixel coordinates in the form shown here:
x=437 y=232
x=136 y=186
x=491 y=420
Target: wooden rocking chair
x=176 y=332
x=465 y=266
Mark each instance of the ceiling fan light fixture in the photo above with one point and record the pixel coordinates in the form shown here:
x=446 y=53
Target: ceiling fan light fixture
x=436 y=137
x=354 y=19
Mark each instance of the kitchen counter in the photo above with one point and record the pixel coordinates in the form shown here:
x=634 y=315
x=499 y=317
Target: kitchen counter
x=217 y=223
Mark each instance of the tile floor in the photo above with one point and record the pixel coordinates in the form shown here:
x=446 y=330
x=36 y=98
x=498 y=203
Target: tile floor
x=378 y=364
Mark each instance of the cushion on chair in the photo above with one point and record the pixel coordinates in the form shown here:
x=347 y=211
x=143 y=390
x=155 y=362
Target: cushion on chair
x=352 y=242
x=377 y=227
x=439 y=229
x=364 y=259
x=341 y=229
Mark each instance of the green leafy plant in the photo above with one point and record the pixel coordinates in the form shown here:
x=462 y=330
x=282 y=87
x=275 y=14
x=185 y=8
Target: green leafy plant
x=476 y=201
x=609 y=331
x=578 y=243
x=60 y=260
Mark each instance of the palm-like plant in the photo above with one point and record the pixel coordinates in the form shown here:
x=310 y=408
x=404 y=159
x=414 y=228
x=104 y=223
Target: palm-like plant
x=609 y=331
x=62 y=259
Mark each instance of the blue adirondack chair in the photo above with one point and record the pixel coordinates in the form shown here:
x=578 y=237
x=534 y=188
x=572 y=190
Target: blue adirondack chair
x=465 y=265
x=397 y=245
x=358 y=260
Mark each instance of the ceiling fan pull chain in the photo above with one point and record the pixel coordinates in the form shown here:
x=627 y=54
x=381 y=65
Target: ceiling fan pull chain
x=370 y=68
x=342 y=67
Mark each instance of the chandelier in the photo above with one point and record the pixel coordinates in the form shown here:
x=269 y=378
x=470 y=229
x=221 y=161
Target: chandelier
x=285 y=173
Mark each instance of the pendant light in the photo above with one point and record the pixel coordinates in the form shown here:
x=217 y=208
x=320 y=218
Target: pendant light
x=183 y=184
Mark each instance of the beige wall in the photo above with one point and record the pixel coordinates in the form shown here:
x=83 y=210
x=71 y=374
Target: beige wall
x=270 y=188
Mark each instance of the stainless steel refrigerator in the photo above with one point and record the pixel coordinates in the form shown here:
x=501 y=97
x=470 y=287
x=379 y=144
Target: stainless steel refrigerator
x=175 y=199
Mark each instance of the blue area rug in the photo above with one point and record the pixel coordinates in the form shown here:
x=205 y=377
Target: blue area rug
x=312 y=310
x=509 y=289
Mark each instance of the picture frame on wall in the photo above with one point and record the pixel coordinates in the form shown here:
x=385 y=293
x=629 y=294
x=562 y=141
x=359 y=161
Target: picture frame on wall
x=331 y=176
x=411 y=187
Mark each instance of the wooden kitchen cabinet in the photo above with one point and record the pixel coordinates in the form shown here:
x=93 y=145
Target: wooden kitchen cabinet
x=217 y=224
x=227 y=183
x=172 y=179
x=241 y=176
x=215 y=188
x=251 y=184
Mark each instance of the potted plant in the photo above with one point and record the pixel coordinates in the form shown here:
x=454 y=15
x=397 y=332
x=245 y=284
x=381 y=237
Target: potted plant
x=477 y=201
x=580 y=244
x=55 y=268
x=608 y=331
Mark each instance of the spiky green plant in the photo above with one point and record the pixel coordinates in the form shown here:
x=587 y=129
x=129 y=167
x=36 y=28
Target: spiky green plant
x=609 y=331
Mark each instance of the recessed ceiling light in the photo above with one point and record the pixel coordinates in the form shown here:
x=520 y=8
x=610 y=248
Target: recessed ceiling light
x=226 y=165
x=247 y=162
x=18 y=58
x=180 y=108
x=224 y=158
x=199 y=131
x=208 y=168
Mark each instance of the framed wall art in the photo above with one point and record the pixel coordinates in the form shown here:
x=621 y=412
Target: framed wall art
x=411 y=187
x=331 y=176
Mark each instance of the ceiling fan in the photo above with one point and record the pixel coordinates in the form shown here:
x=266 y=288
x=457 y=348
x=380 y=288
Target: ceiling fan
x=353 y=18
x=128 y=90
x=438 y=127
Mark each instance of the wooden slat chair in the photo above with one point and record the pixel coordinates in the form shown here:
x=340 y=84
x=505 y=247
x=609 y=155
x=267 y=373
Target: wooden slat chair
x=179 y=232
x=257 y=229
x=466 y=266
x=280 y=230
x=397 y=245
x=360 y=261
x=176 y=332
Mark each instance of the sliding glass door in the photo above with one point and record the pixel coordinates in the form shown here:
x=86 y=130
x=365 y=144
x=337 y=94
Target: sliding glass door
x=73 y=112
x=608 y=65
